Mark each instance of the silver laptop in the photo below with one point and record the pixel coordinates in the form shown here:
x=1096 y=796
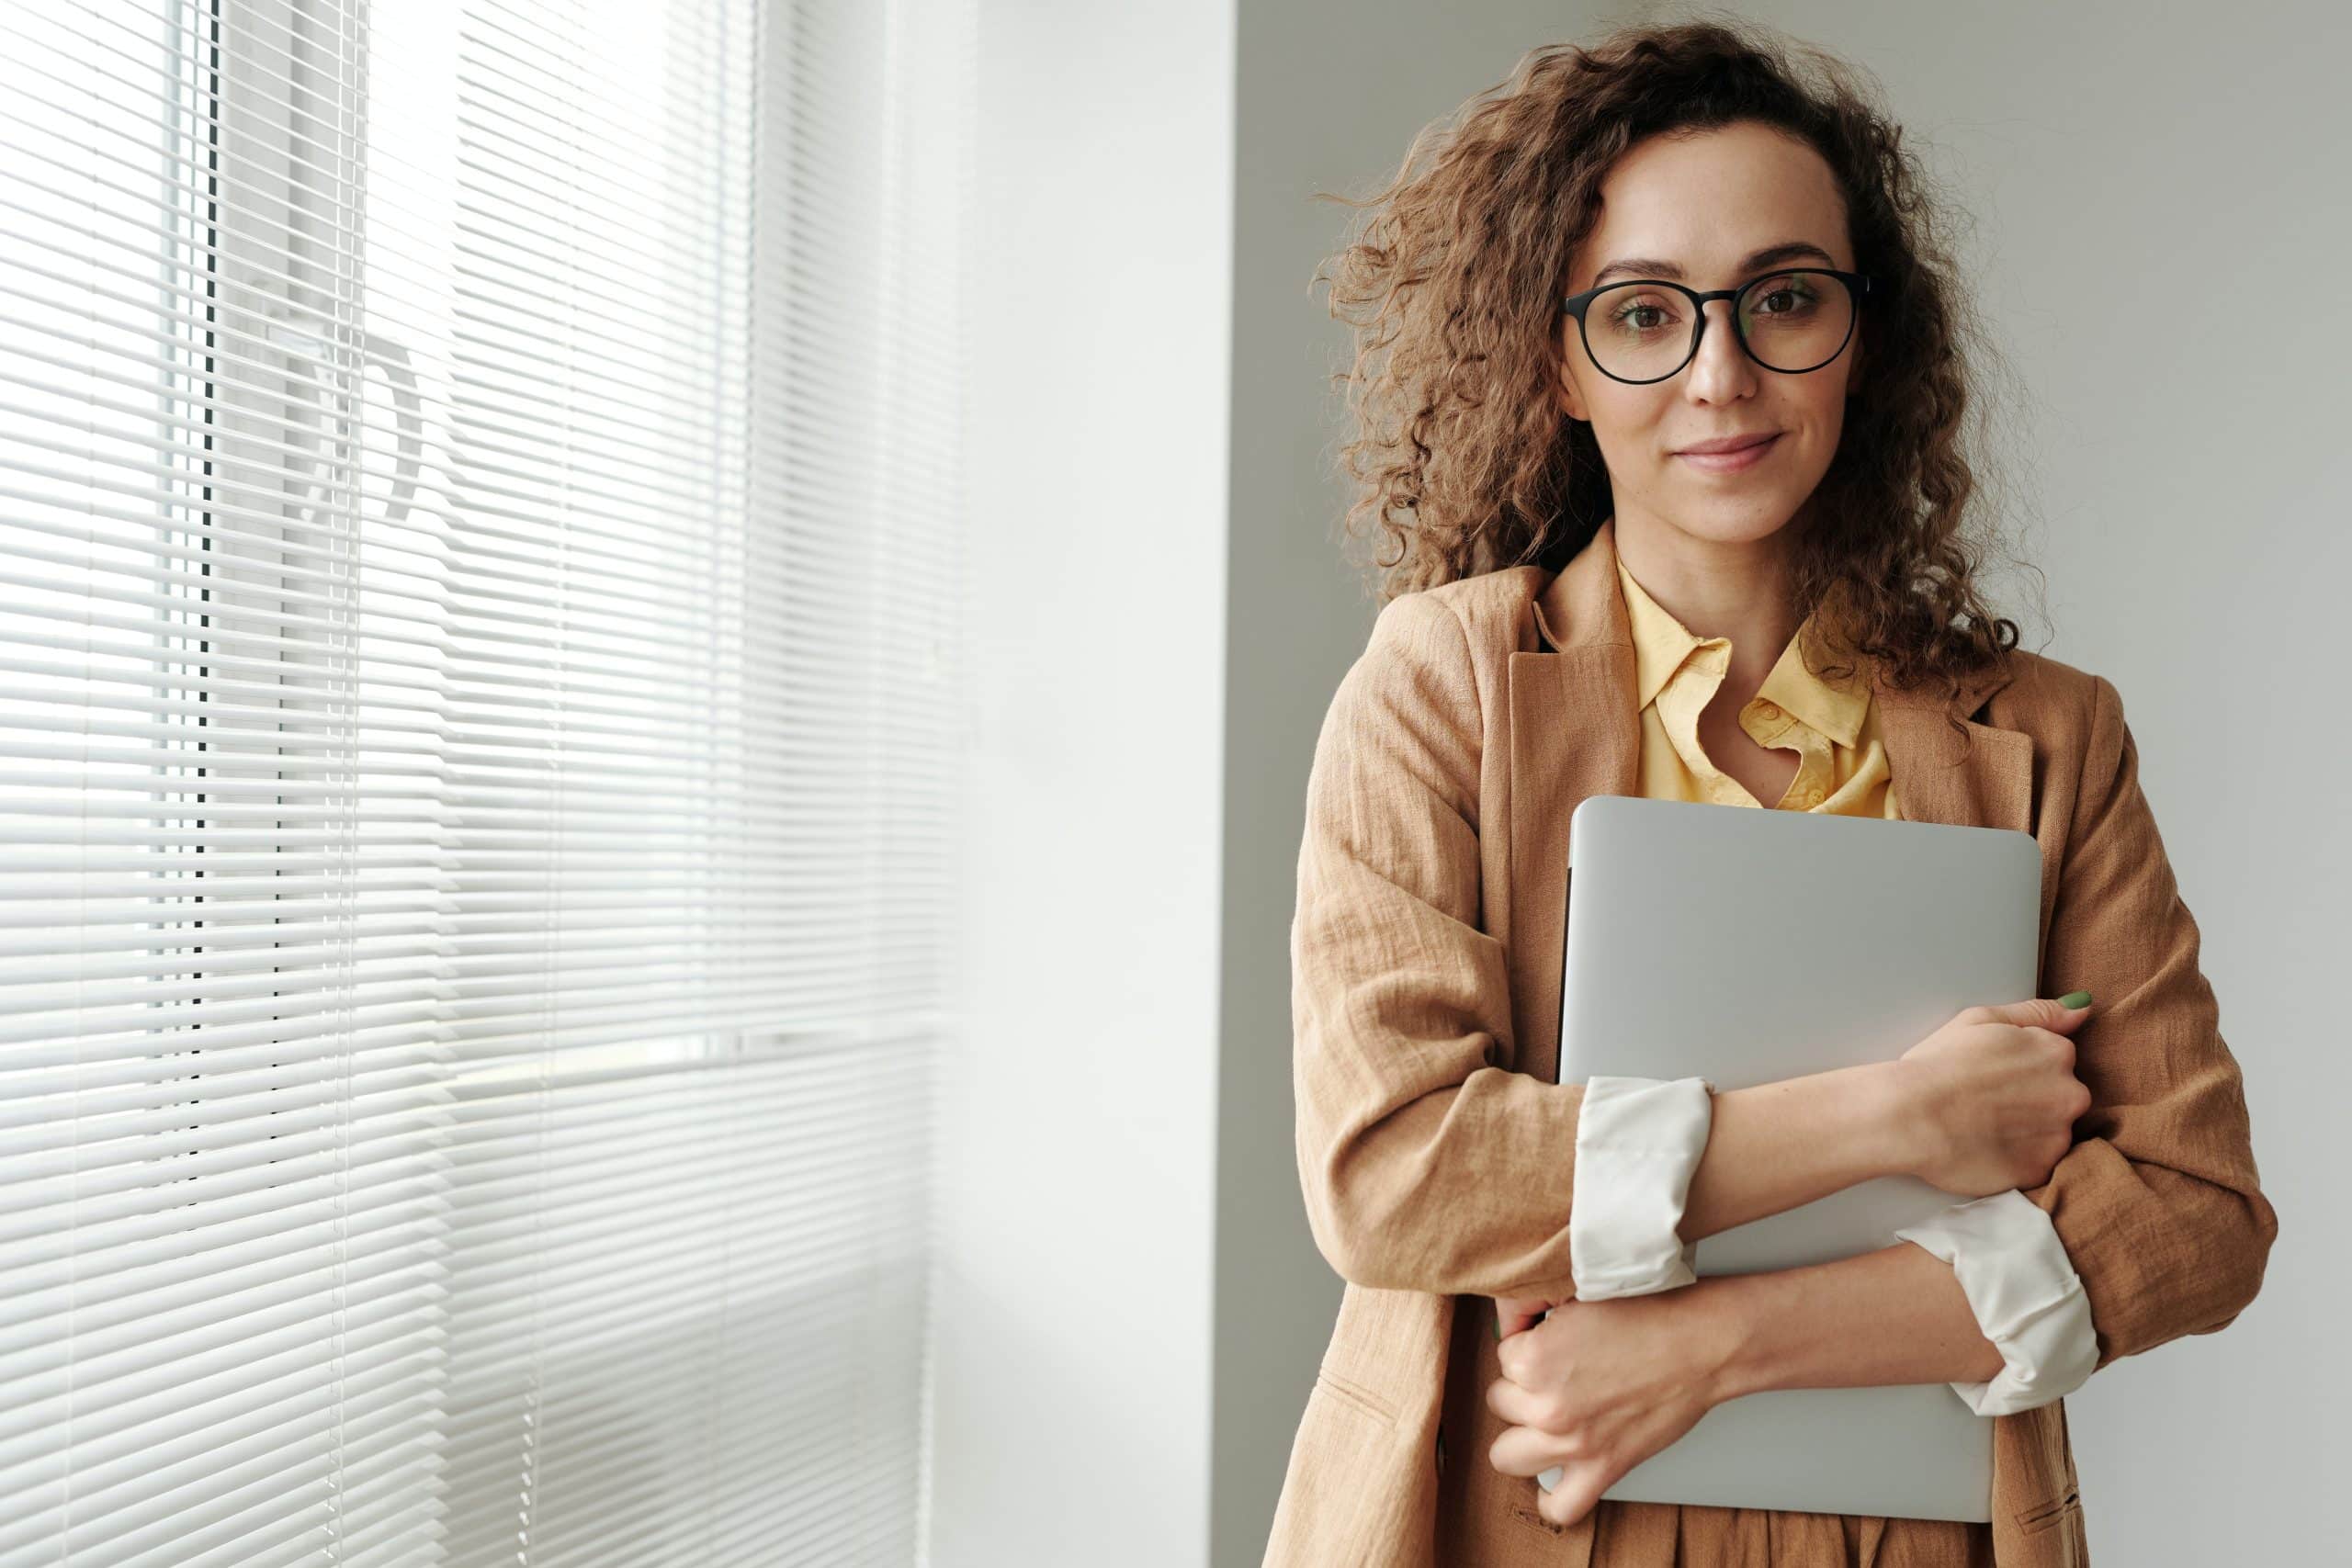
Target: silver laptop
x=1746 y=946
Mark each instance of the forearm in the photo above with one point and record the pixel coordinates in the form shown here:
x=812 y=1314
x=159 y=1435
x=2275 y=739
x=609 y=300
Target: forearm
x=1777 y=1146
x=1895 y=1316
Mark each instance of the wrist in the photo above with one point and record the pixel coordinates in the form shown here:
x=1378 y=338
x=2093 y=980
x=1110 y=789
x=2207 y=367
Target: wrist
x=1726 y=1333
x=1889 y=1117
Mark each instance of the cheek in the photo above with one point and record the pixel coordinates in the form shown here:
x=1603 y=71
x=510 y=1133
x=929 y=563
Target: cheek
x=1820 y=418
x=1628 y=426
x=1834 y=397
x=1828 y=424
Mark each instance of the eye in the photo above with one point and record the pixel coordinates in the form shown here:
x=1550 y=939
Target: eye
x=1788 y=297
x=1640 y=315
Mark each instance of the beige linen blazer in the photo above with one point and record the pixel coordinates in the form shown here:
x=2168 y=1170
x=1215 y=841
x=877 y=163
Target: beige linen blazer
x=1436 y=1153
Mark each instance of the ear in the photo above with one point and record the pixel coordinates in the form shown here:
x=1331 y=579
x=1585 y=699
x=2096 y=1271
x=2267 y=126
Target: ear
x=1570 y=404
x=1564 y=390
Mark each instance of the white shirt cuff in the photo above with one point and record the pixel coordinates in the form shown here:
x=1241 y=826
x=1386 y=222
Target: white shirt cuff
x=2025 y=1292
x=1638 y=1141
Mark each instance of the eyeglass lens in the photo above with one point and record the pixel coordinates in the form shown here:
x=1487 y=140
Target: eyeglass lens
x=1792 y=320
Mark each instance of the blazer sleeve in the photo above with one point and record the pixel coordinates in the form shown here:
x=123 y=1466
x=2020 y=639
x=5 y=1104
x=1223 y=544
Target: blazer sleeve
x=1424 y=1166
x=2158 y=1202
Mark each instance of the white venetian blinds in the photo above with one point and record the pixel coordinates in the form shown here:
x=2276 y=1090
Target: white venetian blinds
x=478 y=708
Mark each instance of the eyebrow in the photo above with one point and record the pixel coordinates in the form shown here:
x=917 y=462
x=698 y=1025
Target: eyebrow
x=1770 y=255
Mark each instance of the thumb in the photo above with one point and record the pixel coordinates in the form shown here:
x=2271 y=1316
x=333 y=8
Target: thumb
x=2047 y=1012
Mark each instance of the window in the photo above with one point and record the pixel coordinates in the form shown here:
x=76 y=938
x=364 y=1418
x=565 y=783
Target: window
x=481 y=711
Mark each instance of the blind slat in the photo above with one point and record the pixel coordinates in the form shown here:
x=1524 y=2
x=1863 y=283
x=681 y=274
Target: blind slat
x=480 y=733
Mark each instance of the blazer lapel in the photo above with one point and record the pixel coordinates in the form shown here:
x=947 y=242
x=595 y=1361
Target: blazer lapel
x=1991 y=785
x=1984 y=780
x=1575 y=732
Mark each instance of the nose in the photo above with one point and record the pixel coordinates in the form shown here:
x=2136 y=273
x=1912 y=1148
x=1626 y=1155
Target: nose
x=1722 y=369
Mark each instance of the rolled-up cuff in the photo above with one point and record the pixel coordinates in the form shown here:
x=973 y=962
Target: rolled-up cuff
x=2025 y=1292
x=1638 y=1141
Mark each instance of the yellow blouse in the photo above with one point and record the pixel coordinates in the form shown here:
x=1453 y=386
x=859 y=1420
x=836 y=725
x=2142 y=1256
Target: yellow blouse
x=1833 y=726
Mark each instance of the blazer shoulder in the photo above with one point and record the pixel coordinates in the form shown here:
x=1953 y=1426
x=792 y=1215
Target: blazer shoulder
x=2074 y=716
x=1495 y=609
x=2046 y=695
x=1446 y=649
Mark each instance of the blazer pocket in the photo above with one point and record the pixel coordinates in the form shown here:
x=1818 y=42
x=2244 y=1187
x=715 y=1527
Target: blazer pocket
x=2043 y=1515
x=1355 y=1395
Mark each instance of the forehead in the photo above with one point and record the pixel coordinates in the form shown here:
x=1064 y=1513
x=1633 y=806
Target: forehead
x=1709 y=198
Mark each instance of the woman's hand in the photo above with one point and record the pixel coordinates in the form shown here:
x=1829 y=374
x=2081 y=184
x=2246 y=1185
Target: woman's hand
x=1600 y=1387
x=1991 y=1099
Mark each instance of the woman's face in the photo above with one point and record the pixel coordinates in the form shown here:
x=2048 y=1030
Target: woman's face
x=1697 y=210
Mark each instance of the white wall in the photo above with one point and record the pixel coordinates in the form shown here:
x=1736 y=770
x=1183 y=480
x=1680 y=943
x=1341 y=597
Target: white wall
x=1072 y=1295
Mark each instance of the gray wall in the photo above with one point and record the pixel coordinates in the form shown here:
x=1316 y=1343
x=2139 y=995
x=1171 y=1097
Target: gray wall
x=2183 y=484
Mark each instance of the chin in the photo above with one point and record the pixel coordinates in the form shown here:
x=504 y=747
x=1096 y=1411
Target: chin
x=1736 y=520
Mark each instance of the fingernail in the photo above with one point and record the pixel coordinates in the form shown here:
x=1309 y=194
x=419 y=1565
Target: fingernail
x=2073 y=999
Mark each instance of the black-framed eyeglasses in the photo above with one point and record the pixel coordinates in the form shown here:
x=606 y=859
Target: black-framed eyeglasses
x=1792 y=320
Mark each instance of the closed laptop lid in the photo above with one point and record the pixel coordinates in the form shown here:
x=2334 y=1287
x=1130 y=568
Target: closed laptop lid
x=1746 y=946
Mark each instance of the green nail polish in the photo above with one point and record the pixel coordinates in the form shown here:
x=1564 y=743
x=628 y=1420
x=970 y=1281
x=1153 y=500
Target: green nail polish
x=2074 y=1000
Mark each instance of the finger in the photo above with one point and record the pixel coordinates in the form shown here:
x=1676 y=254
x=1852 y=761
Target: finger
x=1515 y=1404
x=1581 y=1484
x=1514 y=1313
x=1514 y=1354
x=1524 y=1451
x=1512 y=1357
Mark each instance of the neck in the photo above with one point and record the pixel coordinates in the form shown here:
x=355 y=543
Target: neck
x=1728 y=587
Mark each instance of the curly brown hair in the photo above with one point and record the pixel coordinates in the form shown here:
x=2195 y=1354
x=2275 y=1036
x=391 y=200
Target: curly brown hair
x=1465 y=459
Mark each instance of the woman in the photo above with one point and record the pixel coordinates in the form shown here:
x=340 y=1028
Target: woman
x=1586 y=598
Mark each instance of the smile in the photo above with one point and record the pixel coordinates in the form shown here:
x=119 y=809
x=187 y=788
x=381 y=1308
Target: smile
x=1729 y=462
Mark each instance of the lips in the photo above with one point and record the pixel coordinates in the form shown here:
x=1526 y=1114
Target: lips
x=1737 y=460
x=1728 y=444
